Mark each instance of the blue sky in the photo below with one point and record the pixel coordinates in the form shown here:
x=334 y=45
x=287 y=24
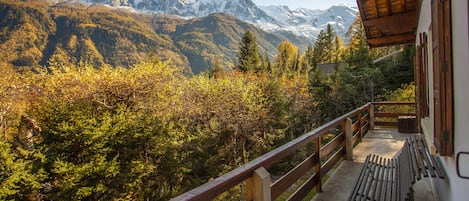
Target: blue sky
x=311 y=4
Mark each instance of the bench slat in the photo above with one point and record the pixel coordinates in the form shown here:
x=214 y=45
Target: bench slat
x=435 y=163
x=426 y=158
x=420 y=159
x=379 y=178
x=394 y=184
x=360 y=179
x=371 y=181
x=438 y=168
x=406 y=172
x=393 y=179
x=389 y=180
x=415 y=163
x=386 y=188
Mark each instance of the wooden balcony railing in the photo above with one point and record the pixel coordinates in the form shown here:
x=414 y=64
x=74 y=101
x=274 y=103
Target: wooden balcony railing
x=347 y=131
x=387 y=113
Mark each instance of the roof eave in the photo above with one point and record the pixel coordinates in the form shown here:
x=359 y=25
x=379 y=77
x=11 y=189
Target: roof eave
x=389 y=22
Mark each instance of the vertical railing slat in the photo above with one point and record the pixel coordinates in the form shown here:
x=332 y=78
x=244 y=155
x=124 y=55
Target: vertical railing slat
x=317 y=149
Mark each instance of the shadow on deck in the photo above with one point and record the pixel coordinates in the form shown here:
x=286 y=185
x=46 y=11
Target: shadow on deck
x=384 y=142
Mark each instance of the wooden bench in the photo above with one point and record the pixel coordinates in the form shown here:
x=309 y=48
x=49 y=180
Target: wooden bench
x=392 y=179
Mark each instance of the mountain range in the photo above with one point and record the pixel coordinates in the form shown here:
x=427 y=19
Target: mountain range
x=300 y=22
x=197 y=34
x=35 y=33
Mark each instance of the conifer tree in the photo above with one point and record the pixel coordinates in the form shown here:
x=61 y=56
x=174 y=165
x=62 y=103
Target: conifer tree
x=266 y=64
x=18 y=177
x=248 y=54
x=357 y=35
x=324 y=46
x=339 y=49
x=287 y=58
x=307 y=60
x=358 y=52
x=296 y=65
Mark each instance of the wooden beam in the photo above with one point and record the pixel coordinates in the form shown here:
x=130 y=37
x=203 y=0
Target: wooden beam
x=376 y=8
x=404 y=7
x=394 y=24
x=392 y=40
x=361 y=4
x=389 y=7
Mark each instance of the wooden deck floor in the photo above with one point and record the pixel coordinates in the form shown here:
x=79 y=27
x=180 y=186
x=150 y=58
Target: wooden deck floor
x=386 y=143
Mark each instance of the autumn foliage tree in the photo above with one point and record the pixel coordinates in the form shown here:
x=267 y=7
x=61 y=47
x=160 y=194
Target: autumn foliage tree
x=150 y=133
x=287 y=60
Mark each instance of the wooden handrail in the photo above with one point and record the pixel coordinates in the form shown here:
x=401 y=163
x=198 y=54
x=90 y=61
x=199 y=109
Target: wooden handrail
x=392 y=103
x=389 y=119
x=225 y=182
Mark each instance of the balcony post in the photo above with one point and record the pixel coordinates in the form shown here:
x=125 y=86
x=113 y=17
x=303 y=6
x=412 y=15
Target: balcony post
x=258 y=185
x=348 y=139
x=360 y=131
x=371 y=114
x=317 y=151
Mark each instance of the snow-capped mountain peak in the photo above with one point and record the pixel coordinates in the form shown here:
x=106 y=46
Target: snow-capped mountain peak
x=302 y=22
x=308 y=23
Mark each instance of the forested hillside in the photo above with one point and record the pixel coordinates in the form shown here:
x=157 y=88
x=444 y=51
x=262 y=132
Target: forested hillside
x=35 y=33
x=215 y=37
x=149 y=131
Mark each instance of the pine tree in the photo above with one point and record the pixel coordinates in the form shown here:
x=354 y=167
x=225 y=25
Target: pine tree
x=358 y=51
x=19 y=179
x=248 y=54
x=324 y=46
x=307 y=63
x=266 y=64
x=296 y=65
x=357 y=35
x=339 y=50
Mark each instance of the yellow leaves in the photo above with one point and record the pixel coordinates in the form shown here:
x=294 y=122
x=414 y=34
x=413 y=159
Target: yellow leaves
x=13 y=100
x=92 y=53
x=298 y=85
x=88 y=25
x=152 y=108
x=404 y=94
x=107 y=85
x=72 y=43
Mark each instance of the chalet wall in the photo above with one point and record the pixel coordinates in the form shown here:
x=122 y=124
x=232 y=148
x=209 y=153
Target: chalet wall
x=460 y=28
x=424 y=26
x=461 y=75
x=454 y=188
